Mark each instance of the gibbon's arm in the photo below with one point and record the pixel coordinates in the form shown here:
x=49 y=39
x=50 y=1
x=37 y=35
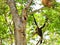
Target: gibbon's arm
x=43 y=26
x=35 y=21
x=44 y=23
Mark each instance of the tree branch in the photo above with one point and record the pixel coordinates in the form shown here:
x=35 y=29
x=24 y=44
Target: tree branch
x=28 y=4
x=35 y=11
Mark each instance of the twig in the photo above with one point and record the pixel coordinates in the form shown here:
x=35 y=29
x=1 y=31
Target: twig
x=28 y=4
x=35 y=11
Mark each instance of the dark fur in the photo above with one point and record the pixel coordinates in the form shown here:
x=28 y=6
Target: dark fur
x=39 y=29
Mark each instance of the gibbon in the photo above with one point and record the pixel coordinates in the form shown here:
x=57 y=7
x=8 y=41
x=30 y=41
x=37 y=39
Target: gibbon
x=39 y=29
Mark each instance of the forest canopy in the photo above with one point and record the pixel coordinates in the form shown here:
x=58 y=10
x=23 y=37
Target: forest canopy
x=17 y=25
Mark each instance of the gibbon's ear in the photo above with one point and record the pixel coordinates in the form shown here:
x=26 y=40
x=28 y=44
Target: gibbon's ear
x=47 y=3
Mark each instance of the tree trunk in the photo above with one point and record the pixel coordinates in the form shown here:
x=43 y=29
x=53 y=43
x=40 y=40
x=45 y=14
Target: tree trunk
x=19 y=24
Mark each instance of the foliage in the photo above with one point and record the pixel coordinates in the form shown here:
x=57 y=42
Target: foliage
x=51 y=31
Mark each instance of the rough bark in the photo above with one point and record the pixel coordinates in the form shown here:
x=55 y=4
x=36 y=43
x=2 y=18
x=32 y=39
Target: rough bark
x=19 y=24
